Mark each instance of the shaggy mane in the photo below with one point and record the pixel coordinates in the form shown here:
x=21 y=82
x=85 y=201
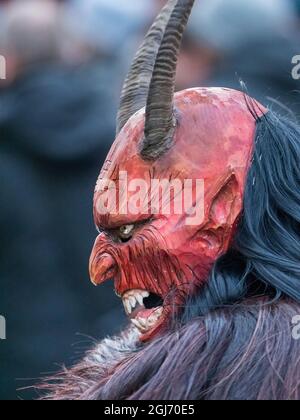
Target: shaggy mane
x=245 y=352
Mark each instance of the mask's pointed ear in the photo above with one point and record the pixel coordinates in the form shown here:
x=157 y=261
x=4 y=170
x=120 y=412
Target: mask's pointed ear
x=224 y=214
x=226 y=205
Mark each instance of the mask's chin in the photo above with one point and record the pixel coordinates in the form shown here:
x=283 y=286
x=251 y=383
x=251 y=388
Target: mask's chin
x=145 y=310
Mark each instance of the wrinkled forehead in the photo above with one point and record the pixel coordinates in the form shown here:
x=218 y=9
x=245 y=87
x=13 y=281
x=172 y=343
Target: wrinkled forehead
x=214 y=135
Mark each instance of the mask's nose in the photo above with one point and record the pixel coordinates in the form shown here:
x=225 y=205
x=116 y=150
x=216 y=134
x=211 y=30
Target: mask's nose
x=102 y=268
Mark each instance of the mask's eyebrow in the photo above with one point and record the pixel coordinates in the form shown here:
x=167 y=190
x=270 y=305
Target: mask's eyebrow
x=111 y=222
x=102 y=222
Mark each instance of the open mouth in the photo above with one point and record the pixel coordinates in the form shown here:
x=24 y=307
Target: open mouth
x=144 y=309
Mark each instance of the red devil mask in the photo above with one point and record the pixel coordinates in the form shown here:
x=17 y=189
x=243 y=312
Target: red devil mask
x=170 y=194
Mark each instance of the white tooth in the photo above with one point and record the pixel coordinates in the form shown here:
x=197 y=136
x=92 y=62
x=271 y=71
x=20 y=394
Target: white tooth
x=132 y=301
x=145 y=294
x=151 y=323
x=152 y=320
x=158 y=312
x=140 y=299
x=142 y=322
x=136 y=323
x=127 y=305
x=141 y=327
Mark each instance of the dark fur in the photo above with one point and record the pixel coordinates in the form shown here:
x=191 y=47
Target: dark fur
x=233 y=340
x=239 y=353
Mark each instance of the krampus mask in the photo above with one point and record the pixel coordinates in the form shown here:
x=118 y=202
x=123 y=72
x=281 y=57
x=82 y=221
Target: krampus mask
x=198 y=141
x=218 y=254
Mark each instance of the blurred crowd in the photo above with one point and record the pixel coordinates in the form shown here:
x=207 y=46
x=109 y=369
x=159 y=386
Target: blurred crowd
x=66 y=61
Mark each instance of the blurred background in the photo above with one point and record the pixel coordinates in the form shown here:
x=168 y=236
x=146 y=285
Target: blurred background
x=66 y=61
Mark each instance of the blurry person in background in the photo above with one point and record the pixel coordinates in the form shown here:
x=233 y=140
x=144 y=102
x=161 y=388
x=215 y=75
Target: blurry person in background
x=253 y=40
x=112 y=26
x=57 y=111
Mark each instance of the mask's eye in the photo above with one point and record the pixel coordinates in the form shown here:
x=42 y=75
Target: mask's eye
x=126 y=232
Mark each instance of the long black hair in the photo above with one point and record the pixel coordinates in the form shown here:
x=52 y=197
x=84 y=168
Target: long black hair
x=265 y=256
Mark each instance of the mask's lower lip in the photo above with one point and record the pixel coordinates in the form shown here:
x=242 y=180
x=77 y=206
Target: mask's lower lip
x=144 y=309
x=146 y=320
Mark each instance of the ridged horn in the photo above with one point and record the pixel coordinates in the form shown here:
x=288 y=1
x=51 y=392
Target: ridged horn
x=160 y=120
x=136 y=86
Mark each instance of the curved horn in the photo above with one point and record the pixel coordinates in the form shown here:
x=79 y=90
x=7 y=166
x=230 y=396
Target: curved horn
x=136 y=86
x=160 y=120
